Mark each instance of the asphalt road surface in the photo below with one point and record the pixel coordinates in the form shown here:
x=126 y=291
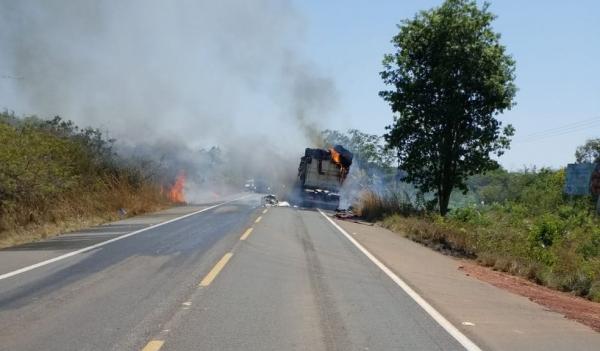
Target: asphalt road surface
x=232 y=277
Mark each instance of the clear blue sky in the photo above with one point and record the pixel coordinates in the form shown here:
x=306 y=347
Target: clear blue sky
x=556 y=45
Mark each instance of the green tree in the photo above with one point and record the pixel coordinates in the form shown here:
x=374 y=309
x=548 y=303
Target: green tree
x=451 y=77
x=588 y=152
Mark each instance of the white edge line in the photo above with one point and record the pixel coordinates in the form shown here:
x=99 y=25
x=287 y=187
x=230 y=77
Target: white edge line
x=441 y=320
x=88 y=248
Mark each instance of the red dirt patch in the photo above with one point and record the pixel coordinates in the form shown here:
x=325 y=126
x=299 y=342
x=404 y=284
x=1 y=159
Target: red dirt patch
x=572 y=307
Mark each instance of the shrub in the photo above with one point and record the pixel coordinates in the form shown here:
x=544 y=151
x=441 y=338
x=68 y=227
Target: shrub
x=590 y=244
x=546 y=230
x=52 y=171
x=594 y=292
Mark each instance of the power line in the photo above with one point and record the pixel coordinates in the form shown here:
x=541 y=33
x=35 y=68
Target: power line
x=559 y=131
x=565 y=131
x=568 y=125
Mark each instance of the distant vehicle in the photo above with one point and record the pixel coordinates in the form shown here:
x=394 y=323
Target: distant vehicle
x=261 y=186
x=257 y=186
x=249 y=185
x=321 y=174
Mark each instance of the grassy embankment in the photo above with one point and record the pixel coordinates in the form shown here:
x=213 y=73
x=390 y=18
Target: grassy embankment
x=527 y=228
x=55 y=177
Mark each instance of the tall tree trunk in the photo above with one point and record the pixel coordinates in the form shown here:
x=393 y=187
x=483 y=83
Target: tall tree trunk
x=446 y=185
x=444 y=198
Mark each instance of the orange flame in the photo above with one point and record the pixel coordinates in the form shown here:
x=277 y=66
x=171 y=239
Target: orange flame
x=335 y=156
x=176 y=191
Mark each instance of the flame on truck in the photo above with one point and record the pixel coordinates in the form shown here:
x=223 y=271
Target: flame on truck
x=338 y=159
x=335 y=156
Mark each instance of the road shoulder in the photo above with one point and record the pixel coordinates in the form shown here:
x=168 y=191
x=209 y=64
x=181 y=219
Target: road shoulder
x=495 y=319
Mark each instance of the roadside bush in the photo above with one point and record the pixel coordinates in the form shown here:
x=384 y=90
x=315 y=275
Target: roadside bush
x=589 y=246
x=470 y=214
x=594 y=293
x=547 y=230
x=465 y=214
x=52 y=172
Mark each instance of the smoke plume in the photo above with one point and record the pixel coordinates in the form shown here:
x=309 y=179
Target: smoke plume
x=168 y=77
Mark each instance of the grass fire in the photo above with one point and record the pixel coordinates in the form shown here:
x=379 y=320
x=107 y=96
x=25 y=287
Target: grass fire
x=176 y=191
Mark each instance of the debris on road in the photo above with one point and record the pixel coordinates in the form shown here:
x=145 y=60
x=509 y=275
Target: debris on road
x=345 y=214
x=269 y=200
x=349 y=215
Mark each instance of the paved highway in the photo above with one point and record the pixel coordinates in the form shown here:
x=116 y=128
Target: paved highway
x=231 y=277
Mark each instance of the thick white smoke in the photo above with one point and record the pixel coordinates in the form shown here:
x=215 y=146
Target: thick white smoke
x=200 y=73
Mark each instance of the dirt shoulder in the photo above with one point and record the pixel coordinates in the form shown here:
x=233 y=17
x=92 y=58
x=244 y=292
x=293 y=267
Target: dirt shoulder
x=495 y=317
x=572 y=307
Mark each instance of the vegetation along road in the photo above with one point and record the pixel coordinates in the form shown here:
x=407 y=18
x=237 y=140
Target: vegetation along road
x=299 y=175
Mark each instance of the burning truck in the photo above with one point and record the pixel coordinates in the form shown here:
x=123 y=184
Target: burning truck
x=321 y=174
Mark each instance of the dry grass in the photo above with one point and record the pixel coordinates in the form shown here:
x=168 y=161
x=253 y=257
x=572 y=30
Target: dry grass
x=373 y=206
x=425 y=231
x=78 y=210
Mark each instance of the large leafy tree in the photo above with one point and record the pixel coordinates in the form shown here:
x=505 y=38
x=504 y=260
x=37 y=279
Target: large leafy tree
x=450 y=78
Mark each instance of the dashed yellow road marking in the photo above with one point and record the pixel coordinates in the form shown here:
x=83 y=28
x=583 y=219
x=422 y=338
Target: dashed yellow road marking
x=153 y=345
x=258 y=219
x=265 y=210
x=216 y=270
x=246 y=234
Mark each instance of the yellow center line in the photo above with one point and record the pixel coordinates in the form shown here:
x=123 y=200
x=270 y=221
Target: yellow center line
x=153 y=345
x=246 y=234
x=258 y=219
x=216 y=270
x=265 y=211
